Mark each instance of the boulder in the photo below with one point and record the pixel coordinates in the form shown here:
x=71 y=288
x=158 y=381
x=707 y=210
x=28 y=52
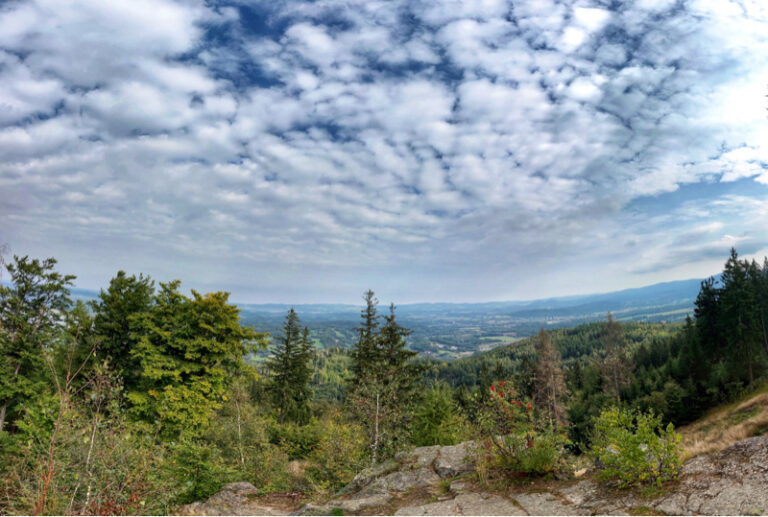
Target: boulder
x=232 y=499
x=454 y=460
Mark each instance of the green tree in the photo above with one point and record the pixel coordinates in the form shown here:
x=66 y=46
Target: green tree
x=384 y=386
x=189 y=351
x=116 y=315
x=290 y=372
x=438 y=420
x=30 y=310
x=740 y=319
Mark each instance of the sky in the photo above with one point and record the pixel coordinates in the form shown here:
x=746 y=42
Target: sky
x=438 y=150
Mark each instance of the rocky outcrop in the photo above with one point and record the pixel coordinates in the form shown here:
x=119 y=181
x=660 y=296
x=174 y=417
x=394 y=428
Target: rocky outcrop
x=232 y=499
x=733 y=481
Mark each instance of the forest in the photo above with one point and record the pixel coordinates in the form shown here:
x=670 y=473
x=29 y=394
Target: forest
x=148 y=398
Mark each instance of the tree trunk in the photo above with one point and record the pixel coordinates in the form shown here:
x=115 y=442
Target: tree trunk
x=375 y=433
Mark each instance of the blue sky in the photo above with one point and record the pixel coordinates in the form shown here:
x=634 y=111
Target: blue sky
x=442 y=150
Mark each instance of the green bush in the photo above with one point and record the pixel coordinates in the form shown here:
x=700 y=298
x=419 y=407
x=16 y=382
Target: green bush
x=438 y=420
x=631 y=447
x=340 y=454
x=513 y=441
x=298 y=441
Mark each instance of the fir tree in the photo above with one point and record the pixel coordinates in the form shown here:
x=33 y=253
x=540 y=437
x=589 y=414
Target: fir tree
x=290 y=371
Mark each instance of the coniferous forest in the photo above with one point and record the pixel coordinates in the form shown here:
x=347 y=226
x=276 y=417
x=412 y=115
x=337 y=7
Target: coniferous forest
x=149 y=398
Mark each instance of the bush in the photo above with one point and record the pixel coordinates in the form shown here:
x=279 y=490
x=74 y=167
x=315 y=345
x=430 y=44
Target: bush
x=631 y=447
x=438 y=420
x=514 y=442
x=340 y=454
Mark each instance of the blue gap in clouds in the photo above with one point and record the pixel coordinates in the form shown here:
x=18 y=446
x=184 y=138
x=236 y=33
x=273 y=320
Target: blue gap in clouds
x=704 y=190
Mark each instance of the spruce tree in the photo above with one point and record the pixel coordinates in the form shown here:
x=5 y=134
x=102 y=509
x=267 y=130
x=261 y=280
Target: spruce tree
x=290 y=372
x=385 y=381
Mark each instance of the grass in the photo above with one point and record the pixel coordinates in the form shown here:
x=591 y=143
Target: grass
x=726 y=425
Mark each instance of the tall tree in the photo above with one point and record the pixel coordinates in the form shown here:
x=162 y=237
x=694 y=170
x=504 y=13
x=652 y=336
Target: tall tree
x=740 y=319
x=30 y=313
x=290 y=371
x=116 y=314
x=189 y=351
x=366 y=354
x=550 y=383
x=615 y=365
x=384 y=387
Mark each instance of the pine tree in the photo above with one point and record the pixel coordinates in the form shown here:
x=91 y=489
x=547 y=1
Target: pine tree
x=290 y=371
x=550 y=382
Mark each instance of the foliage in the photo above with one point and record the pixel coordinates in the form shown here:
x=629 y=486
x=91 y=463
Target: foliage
x=384 y=384
x=438 y=420
x=188 y=352
x=514 y=443
x=290 y=372
x=29 y=312
x=634 y=448
x=117 y=313
x=339 y=455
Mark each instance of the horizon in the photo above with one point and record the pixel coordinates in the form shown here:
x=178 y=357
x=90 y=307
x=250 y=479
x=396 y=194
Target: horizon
x=458 y=151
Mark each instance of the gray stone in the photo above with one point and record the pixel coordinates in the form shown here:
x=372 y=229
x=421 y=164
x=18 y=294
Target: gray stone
x=349 y=506
x=365 y=477
x=486 y=504
x=232 y=499
x=547 y=504
x=454 y=460
x=401 y=481
x=439 y=508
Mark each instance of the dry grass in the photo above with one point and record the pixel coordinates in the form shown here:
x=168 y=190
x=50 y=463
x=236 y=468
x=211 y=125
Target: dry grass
x=727 y=425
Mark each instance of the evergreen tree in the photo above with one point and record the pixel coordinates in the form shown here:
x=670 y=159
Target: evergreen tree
x=550 y=383
x=116 y=313
x=740 y=320
x=290 y=371
x=384 y=386
x=365 y=355
x=30 y=313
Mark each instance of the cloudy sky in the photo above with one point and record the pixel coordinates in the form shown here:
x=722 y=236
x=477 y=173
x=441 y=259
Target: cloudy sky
x=451 y=150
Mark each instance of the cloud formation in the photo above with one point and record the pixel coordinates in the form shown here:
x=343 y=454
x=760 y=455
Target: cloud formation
x=454 y=150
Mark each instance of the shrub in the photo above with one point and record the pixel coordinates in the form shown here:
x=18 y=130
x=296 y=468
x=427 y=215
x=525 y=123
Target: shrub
x=514 y=442
x=631 y=447
x=340 y=454
x=438 y=420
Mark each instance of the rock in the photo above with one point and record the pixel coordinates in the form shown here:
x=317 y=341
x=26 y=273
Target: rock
x=459 y=486
x=232 y=499
x=348 y=506
x=366 y=476
x=425 y=456
x=439 y=508
x=486 y=504
x=454 y=460
x=466 y=504
x=547 y=504
x=402 y=481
